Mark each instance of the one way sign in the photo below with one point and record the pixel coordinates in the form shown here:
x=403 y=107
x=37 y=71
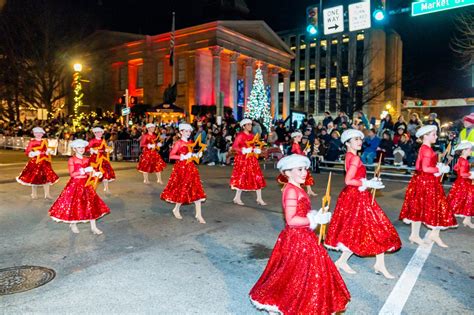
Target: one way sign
x=333 y=20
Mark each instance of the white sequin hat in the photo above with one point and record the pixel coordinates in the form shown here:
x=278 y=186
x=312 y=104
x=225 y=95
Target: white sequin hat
x=150 y=125
x=79 y=143
x=425 y=130
x=38 y=129
x=296 y=134
x=245 y=121
x=185 y=126
x=351 y=133
x=97 y=129
x=463 y=145
x=293 y=161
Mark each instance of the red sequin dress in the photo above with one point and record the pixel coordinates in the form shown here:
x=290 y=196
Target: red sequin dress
x=150 y=159
x=425 y=200
x=461 y=195
x=246 y=174
x=37 y=171
x=282 y=179
x=300 y=277
x=358 y=224
x=78 y=203
x=184 y=185
x=107 y=170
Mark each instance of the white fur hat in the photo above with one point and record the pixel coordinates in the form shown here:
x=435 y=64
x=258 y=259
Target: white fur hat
x=38 y=129
x=97 y=129
x=79 y=143
x=185 y=126
x=150 y=125
x=463 y=145
x=351 y=133
x=293 y=161
x=296 y=134
x=245 y=121
x=425 y=130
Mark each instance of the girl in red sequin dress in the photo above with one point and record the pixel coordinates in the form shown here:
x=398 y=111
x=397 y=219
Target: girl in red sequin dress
x=296 y=149
x=100 y=152
x=461 y=195
x=246 y=174
x=184 y=185
x=300 y=277
x=150 y=160
x=38 y=170
x=78 y=202
x=359 y=225
x=425 y=201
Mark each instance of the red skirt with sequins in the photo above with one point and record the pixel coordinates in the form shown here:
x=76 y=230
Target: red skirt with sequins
x=461 y=197
x=37 y=174
x=184 y=185
x=108 y=171
x=300 y=277
x=78 y=203
x=247 y=174
x=426 y=202
x=282 y=179
x=150 y=162
x=361 y=226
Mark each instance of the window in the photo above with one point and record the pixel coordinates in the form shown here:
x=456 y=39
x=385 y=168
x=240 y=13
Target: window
x=182 y=70
x=122 y=78
x=139 y=76
x=159 y=73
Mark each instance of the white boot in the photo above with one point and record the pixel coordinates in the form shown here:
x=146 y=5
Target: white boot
x=237 y=199
x=94 y=228
x=415 y=234
x=198 y=212
x=341 y=263
x=176 y=213
x=259 y=198
x=379 y=266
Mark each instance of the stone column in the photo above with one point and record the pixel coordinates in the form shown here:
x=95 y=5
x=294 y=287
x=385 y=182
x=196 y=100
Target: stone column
x=233 y=83
x=264 y=68
x=248 y=78
x=216 y=78
x=274 y=93
x=286 y=94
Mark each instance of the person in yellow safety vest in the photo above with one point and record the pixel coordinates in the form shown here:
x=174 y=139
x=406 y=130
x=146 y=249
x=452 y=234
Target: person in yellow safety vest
x=468 y=132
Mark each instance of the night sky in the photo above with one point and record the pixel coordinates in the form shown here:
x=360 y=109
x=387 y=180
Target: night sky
x=430 y=67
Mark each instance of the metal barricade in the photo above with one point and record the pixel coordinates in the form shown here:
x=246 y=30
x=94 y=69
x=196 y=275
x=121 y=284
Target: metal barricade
x=126 y=150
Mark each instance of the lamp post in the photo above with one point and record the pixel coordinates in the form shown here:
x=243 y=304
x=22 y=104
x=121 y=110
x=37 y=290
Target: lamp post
x=78 y=94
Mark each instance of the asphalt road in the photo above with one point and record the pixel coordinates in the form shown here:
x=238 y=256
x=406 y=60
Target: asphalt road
x=147 y=262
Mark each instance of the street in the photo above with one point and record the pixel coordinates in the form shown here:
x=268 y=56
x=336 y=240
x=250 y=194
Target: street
x=147 y=262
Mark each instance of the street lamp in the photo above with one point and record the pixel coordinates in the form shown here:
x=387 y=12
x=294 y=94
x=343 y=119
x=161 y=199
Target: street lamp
x=77 y=67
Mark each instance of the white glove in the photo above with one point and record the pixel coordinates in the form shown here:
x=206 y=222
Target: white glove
x=471 y=176
x=93 y=151
x=246 y=150
x=32 y=154
x=109 y=150
x=318 y=217
x=257 y=151
x=159 y=144
x=445 y=169
x=49 y=152
x=82 y=171
x=88 y=169
x=185 y=156
x=151 y=146
x=199 y=155
x=372 y=183
x=97 y=174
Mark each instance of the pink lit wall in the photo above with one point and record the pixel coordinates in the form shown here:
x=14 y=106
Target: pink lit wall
x=204 y=93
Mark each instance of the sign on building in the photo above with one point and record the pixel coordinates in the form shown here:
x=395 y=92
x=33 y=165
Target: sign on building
x=333 y=20
x=433 y=6
x=359 y=16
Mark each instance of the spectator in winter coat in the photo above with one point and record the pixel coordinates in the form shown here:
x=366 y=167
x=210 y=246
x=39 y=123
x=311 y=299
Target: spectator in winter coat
x=370 y=145
x=400 y=122
x=327 y=119
x=385 y=148
x=335 y=147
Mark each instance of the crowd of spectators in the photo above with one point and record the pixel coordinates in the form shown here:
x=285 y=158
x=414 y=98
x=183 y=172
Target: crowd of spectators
x=389 y=141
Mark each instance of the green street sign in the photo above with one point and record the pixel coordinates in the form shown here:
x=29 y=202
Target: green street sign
x=433 y=6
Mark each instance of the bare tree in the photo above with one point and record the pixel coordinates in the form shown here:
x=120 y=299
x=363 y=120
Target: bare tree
x=463 y=41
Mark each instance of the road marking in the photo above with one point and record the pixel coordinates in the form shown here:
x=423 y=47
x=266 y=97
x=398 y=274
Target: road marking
x=402 y=290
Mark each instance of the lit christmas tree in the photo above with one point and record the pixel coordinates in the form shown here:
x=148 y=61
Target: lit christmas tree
x=258 y=107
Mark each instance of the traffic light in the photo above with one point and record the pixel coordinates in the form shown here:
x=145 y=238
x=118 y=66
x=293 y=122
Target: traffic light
x=312 y=20
x=380 y=11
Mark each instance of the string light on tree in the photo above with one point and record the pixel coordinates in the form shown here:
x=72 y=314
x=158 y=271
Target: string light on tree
x=258 y=107
x=78 y=94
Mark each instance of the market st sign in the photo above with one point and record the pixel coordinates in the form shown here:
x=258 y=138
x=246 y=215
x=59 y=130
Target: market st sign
x=432 y=6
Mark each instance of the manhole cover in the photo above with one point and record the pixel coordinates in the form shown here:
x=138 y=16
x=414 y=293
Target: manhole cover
x=24 y=278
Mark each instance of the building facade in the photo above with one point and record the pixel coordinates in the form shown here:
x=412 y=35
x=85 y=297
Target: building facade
x=214 y=64
x=349 y=71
